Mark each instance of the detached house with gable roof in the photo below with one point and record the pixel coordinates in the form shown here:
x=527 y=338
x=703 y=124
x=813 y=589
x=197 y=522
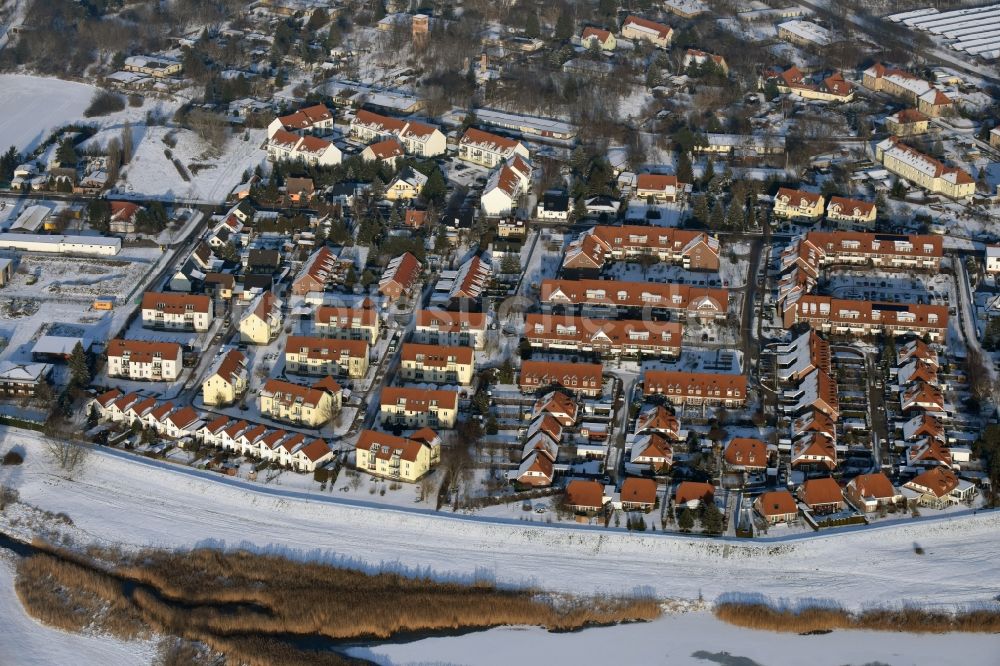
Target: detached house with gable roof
x=644 y=30
x=505 y=187
x=603 y=39
x=798 y=205
x=262 y=321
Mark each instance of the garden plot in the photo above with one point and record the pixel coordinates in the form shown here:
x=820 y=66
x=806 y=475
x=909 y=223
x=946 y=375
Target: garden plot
x=72 y=278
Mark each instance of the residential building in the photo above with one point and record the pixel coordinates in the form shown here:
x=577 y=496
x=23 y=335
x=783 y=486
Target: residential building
x=793 y=81
x=691 y=494
x=924 y=170
x=505 y=187
x=407 y=185
x=938 y=488
x=817 y=249
x=822 y=496
x=417 y=138
x=871 y=492
x=864 y=318
x=798 y=205
x=611 y=297
x=851 y=213
x=995 y=137
x=294 y=403
x=306 y=457
x=929 y=100
x=442 y=327
x=150 y=361
x=585 y=496
x=344 y=323
x=638 y=494
x=316 y=119
x=324 y=356
x=644 y=30
x=553 y=206
x=559 y=406
x=418 y=408
x=745 y=454
x=19 y=380
x=228 y=380
x=814 y=451
x=599 y=38
x=388 y=151
x=908 y=122
x=696 y=388
x=488 y=149
x=261 y=322
x=652 y=450
x=284 y=146
x=582 y=378
x=776 y=506
x=400 y=277
x=388 y=456
x=698 y=58
x=660 y=188
x=436 y=363
x=592 y=250
x=155 y=66
x=123 y=217
x=656 y=418
x=323 y=269
x=610 y=338
x=804 y=33
x=175 y=311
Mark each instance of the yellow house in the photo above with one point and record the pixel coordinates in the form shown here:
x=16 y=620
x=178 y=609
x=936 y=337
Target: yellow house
x=995 y=137
x=797 y=205
x=293 y=403
x=603 y=38
x=908 y=122
x=323 y=356
x=924 y=170
x=417 y=408
x=347 y=323
x=262 y=321
x=227 y=381
x=385 y=455
x=851 y=212
x=640 y=29
x=435 y=363
x=408 y=184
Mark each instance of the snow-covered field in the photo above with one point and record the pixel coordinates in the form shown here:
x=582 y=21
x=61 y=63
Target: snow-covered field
x=688 y=639
x=32 y=106
x=123 y=500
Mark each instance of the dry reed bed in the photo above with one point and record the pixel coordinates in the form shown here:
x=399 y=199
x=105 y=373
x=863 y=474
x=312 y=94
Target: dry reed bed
x=761 y=616
x=247 y=606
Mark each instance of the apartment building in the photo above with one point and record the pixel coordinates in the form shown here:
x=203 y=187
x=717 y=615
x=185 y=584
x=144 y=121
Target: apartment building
x=418 y=408
x=261 y=322
x=437 y=363
x=929 y=100
x=861 y=318
x=581 y=378
x=696 y=388
x=227 y=381
x=610 y=297
x=315 y=119
x=400 y=458
x=22 y=379
x=818 y=249
x=644 y=30
x=459 y=329
x=294 y=403
x=177 y=311
x=505 y=187
x=417 y=138
x=150 y=361
x=326 y=356
x=798 y=205
x=592 y=250
x=488 y=149
x=345 y=323
x=924 y=170
x=908 y=122
x=284 y=146
x=610 y=338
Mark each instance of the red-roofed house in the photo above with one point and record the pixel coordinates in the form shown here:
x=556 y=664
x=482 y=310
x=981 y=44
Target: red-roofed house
x=400 y=276
x=598 y=37
x=488 y=149
x=776 y=506
x=658 y=187
x=638 y=494
x=645 y=30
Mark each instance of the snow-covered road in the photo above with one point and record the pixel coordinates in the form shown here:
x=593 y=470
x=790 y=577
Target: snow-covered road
x=123 y=501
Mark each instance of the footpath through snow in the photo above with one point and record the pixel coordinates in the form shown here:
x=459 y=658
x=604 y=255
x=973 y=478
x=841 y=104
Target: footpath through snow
x=120 y=500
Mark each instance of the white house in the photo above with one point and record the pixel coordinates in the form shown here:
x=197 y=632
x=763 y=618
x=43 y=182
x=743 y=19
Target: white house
x=993 y=259
x=285 y=146
x=488 y=149
x=505 y=186
x=417 y=138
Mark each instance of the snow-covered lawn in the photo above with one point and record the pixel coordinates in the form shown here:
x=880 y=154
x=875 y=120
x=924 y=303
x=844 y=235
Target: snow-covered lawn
x=32 y=106
x=153 y=174
x=134 y=502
